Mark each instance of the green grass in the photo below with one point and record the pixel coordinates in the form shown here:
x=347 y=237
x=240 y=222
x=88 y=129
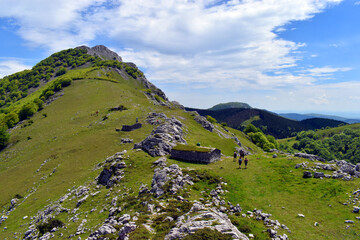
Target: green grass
x=190 y=148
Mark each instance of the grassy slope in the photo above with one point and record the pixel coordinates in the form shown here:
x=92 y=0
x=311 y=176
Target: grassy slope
x=76 y=141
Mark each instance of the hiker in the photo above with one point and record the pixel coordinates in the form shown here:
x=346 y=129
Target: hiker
x=242 y=154
x=246 y=162
x=235 y=156
x=240 y=161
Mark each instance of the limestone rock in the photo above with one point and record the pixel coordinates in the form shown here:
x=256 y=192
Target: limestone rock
x=194 y=220
x=163 y=138
x=204 y=123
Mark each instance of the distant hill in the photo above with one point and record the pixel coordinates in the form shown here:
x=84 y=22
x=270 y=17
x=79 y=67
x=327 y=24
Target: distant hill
x=299 y=117
x=268 y=122
x=230 y=105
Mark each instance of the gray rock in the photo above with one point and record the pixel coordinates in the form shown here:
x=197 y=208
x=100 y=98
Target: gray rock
x=356 y=209
x=307 y=174
x=194 y=220
x=104 y=177
x=163 y=138
x=81 y=201
x=125 y=230
x=161 y=162
x=204 y=123
x=319 y=175
x=102 y=52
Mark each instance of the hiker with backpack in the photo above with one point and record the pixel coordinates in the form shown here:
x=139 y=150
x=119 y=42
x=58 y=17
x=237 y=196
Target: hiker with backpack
x=235 y=156
x=242 y=156
x=246 y=162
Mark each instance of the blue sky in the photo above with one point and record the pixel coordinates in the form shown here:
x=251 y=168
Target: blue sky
x=285 y=56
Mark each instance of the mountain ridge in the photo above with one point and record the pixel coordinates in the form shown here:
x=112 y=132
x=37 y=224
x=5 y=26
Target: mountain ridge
x=269 y=122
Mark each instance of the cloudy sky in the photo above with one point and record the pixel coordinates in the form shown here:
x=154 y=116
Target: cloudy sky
x=280 y=55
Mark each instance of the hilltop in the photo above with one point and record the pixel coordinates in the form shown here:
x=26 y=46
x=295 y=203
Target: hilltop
x=229 y=105
x=69 y=169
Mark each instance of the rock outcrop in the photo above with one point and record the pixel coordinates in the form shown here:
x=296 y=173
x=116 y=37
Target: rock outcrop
x=169 y=180
x=204 y=123
x=164 y=137
x=102 y=52
x=200 y=217
x=112 y=172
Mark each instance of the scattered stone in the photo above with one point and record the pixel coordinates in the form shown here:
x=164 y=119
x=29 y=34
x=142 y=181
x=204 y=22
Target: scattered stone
x=356 y=209
x=301 y=215
x=311 y=157
x=126 y=140
x=349 y=221
x=316 y=224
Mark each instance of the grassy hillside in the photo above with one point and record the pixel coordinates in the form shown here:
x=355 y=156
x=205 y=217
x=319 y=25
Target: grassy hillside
x=60 y=148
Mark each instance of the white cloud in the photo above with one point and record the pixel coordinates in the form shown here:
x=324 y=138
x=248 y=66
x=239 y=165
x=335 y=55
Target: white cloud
x=8 y=67
x=200 y=43
x=325 y=71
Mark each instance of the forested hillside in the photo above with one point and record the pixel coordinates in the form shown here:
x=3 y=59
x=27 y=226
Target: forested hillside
x=338 y=143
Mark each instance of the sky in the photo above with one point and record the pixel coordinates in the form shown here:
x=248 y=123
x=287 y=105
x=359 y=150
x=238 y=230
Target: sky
x=281 y=55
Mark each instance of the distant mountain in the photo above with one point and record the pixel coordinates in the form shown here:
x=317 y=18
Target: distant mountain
x=230 y=105
x=269 y=122
x=300 y=117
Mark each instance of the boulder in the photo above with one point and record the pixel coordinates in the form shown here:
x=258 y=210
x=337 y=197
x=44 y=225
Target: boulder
x=319 y=175
x=307 y=174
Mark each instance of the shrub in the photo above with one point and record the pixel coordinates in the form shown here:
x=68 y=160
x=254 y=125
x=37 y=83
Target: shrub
x=4 y=138
x=210 y=119
x=27 y=111
x=251 y=129
x=46 y=227
x=11 y=119
x=39 y=103
x=48 y=94
x=61 y=71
